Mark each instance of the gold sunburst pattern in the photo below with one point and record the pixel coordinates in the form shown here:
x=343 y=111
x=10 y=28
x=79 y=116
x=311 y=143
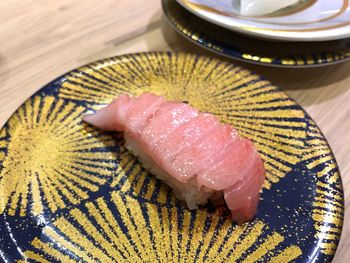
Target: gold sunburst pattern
x=52 y=159
x=3 y=145
x=155 y=234
x=256 y=108
x=328 y=207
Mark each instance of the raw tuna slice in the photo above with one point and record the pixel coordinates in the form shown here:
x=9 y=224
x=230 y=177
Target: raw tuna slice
x=203 y=154
x=141 y=110
x=235 y=162
x=192 y=152
x=185 y=136
x=166 y=119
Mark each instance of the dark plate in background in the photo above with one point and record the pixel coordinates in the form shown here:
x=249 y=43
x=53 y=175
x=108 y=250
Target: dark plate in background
x=253 y=50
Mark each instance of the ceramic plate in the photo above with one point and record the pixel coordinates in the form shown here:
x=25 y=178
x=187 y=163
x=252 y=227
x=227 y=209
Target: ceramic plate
x=237 y=46
x=72 y=193
x=313 y=20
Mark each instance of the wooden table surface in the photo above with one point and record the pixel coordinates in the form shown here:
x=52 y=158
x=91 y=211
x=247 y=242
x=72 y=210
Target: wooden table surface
x=42 y=39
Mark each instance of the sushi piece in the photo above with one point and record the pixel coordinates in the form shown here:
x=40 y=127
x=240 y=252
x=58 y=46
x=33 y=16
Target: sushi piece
x=192 y=152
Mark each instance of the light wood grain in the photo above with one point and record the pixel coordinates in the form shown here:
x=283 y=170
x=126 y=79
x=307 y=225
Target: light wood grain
x=42 y=39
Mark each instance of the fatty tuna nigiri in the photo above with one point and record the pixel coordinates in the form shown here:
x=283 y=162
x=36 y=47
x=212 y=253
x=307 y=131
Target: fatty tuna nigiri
x=192 y=152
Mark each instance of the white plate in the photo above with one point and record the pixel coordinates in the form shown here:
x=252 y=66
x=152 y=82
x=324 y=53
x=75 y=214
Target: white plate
x=314 y=20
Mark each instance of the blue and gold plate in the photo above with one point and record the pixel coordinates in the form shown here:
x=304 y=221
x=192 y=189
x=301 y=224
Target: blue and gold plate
x=72 y=193
x=253 y=50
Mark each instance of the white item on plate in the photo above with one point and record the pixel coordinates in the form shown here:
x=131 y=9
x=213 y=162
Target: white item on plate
x=263 y=7
x=315 y=20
